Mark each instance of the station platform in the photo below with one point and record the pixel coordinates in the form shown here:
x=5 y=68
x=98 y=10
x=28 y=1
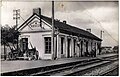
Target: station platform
x=9 y=66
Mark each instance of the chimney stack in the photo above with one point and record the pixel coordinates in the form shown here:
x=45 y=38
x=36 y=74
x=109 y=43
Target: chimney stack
x=89 y=30
x=37 y=11
x=64 y=22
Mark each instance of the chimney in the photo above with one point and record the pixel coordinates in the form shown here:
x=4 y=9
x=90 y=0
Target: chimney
x=37 y=11
x=89 y=30
x=64 y=21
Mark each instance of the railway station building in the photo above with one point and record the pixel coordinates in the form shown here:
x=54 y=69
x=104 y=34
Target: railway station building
x=69 y=41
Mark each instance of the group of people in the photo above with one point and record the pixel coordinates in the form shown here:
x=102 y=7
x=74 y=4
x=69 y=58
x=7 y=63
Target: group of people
x=92 y=53
x=31 y=54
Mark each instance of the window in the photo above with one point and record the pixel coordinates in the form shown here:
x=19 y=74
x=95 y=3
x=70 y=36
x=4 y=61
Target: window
x=47 y=45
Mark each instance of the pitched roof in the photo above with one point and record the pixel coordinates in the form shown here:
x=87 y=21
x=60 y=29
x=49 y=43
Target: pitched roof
x=66 y=28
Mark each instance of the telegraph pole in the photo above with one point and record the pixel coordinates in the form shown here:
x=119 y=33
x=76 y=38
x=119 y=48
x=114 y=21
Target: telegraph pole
x=101 y=34
x=52 y=46
x=16 y=17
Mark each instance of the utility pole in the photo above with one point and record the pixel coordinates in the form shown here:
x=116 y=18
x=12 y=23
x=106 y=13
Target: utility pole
x=101 y=34
x=16 y=17
x=52 y=46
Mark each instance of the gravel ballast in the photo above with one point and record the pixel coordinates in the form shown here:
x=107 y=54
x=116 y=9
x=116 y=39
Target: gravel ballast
x=103 y=69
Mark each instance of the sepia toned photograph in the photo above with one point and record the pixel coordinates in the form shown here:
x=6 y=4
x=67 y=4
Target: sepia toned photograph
x=59 y=37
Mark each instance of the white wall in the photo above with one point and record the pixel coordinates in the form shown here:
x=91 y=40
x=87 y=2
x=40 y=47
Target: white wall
x=37 y=40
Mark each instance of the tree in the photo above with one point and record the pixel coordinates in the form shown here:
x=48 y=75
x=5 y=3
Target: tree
x=9 y=35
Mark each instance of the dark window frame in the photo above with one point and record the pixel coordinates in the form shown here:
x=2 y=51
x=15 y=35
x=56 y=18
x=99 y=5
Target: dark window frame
x=47 y=41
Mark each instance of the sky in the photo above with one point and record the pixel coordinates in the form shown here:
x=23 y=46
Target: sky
x=91 y=14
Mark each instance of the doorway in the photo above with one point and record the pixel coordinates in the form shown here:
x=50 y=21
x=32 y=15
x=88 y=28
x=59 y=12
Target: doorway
x=62 y=45
x=87 y=46
x=81 y=48
x=74 y=47
x=24 y=44
x=68 y=49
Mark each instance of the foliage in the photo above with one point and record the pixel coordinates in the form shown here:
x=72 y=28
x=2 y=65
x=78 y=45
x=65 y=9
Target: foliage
x=9 y=35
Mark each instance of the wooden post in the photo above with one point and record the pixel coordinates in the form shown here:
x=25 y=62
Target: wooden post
x=4 y=52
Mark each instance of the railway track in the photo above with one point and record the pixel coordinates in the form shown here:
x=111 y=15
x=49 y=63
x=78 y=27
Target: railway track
x=66 y=69
x=54 y=71
x=95 y=67
x=108 y=72
x=73 y=70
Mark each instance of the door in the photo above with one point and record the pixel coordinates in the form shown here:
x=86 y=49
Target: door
x=81 y=48
x=68 y=48
x=24 y=44
x=87 y=46
x=74 y=48
x=62 y=41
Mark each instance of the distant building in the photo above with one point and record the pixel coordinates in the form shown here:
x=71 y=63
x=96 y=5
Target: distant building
x=116 y=49
x=69 y=41
x=106 y=49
